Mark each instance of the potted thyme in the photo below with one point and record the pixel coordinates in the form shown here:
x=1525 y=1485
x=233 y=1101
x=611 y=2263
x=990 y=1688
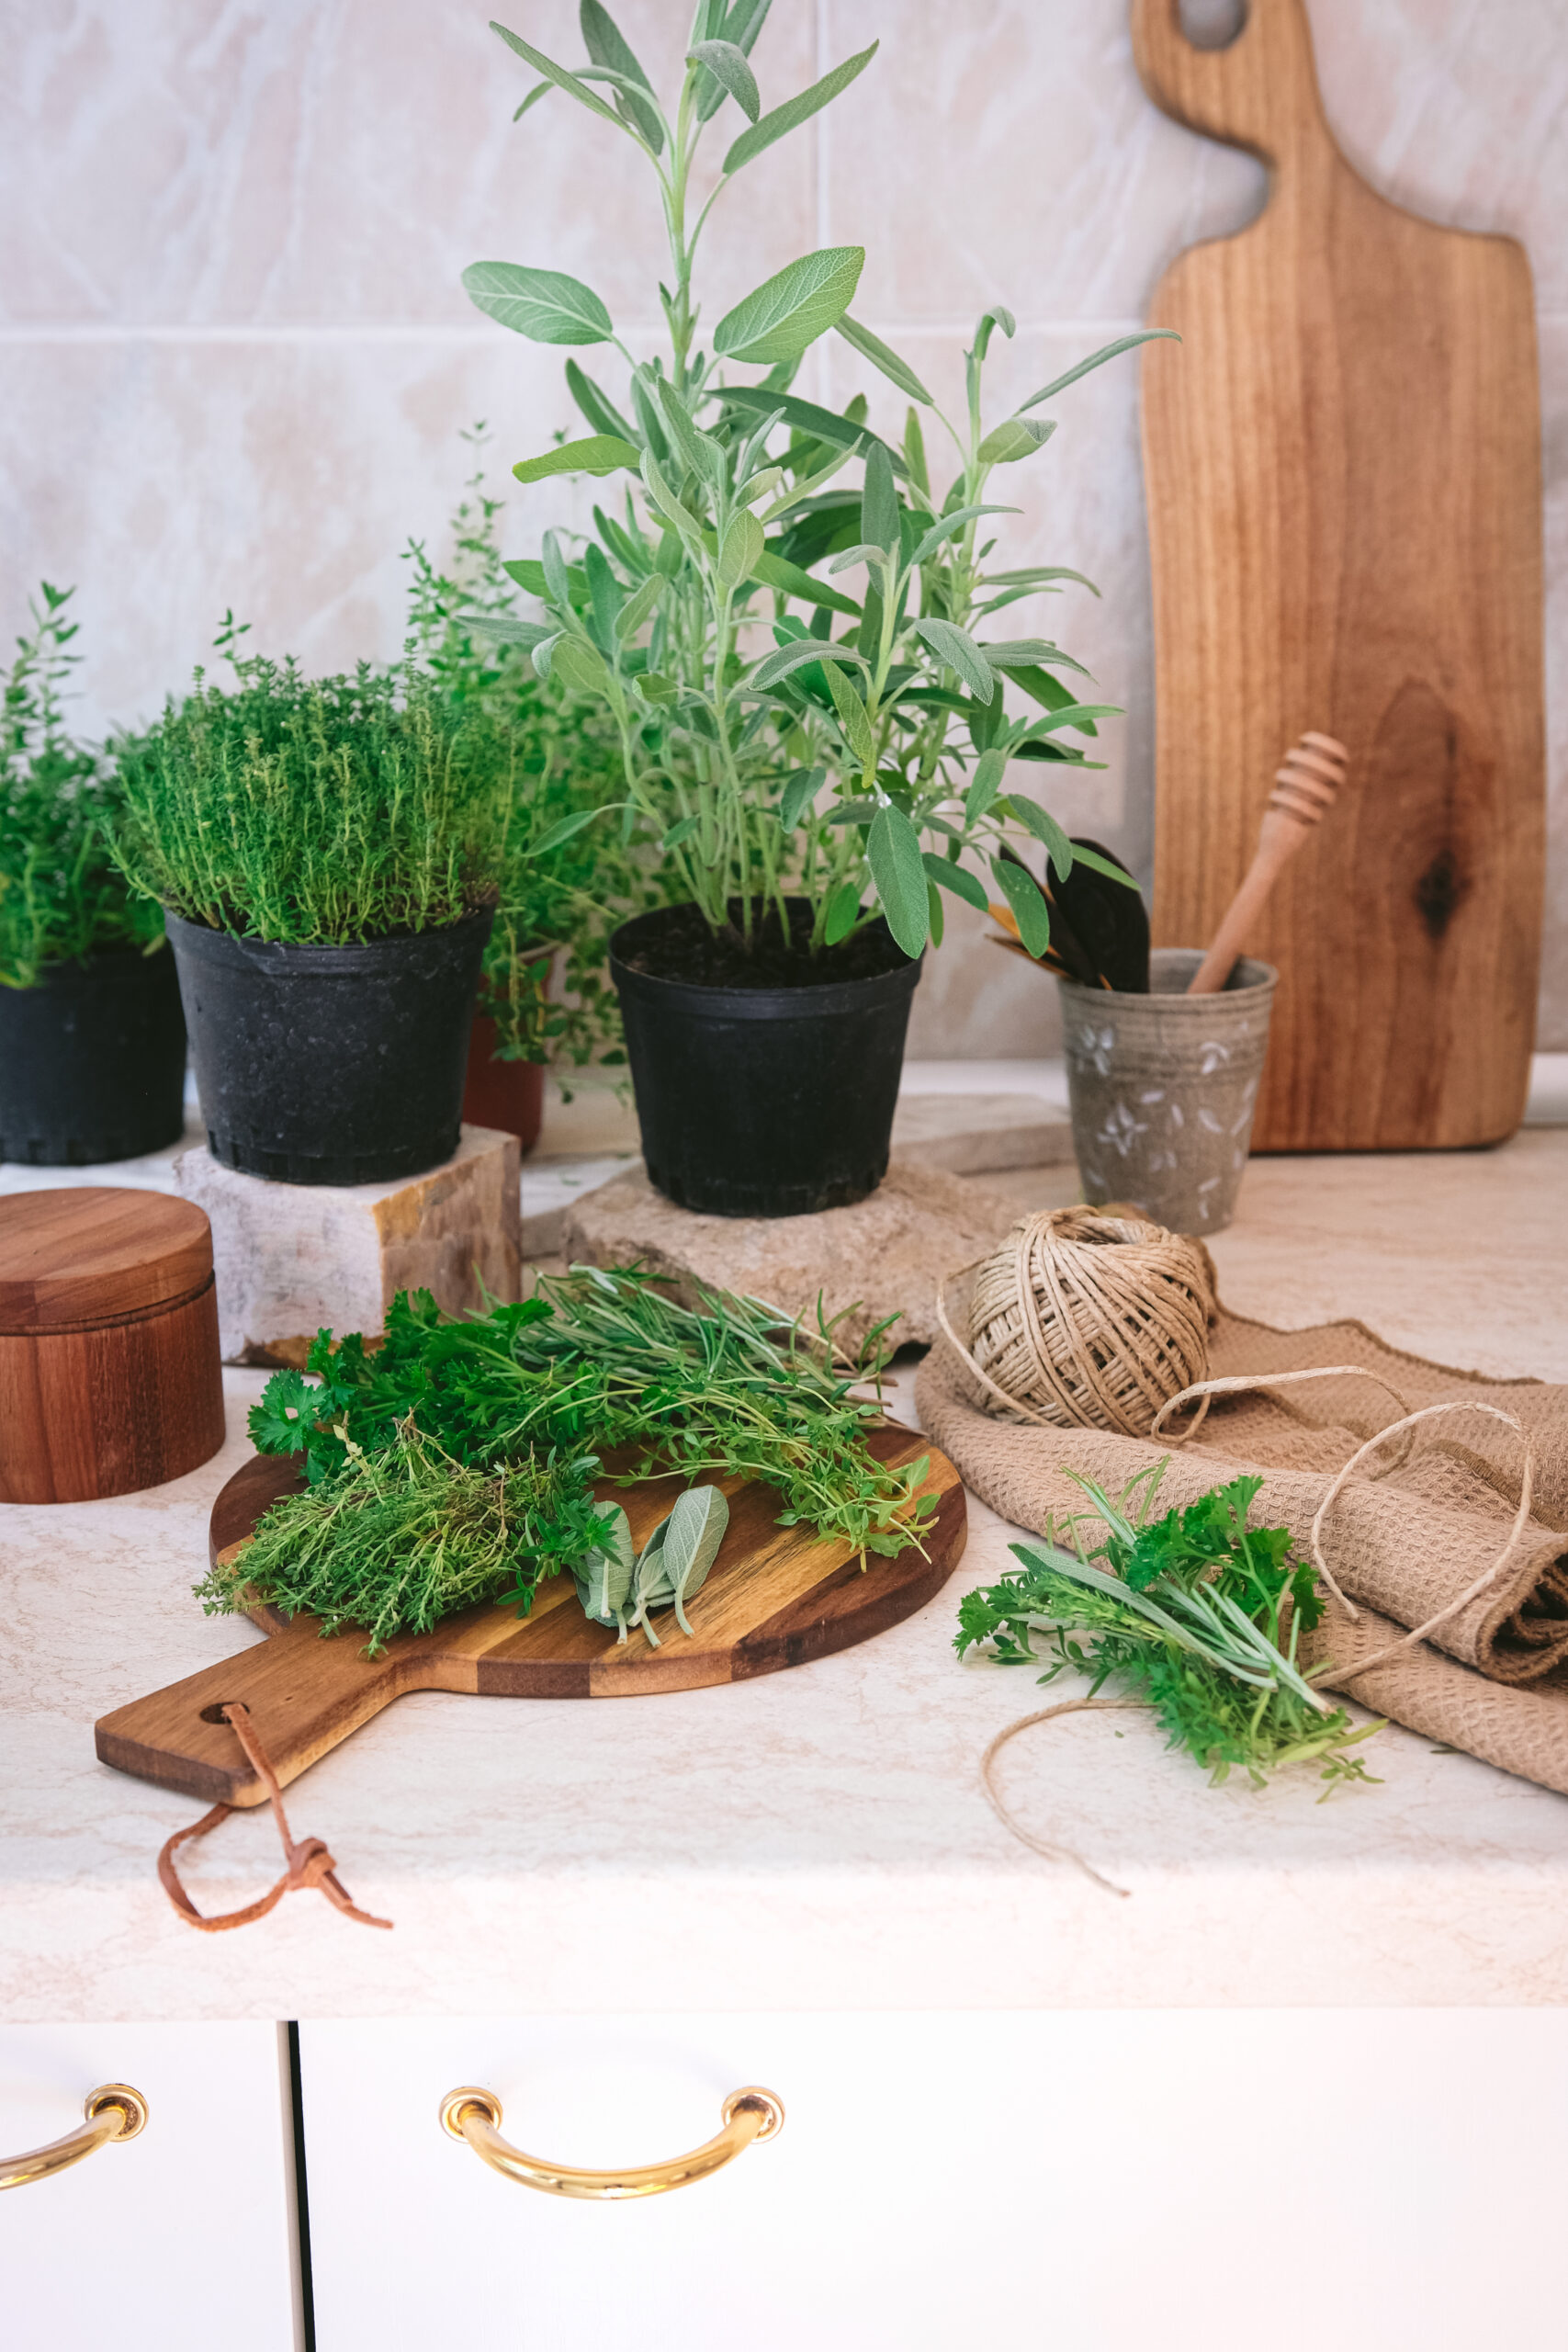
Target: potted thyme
x=92 y=1042
x=327 y=853
x=820 y=767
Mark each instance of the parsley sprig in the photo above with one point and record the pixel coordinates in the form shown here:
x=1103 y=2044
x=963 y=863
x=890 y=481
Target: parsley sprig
x=1197 y=1614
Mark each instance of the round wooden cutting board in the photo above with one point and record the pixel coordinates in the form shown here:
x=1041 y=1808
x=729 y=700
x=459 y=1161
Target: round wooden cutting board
x=775 y=1596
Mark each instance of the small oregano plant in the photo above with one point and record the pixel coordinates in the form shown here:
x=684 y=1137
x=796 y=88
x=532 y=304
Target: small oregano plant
x=780 y=737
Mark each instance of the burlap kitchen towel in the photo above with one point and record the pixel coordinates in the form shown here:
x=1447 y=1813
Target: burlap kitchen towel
x=1401 y=1541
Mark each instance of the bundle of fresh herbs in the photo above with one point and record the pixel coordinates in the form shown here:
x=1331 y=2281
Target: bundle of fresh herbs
x=61 y=896
x=1197 y=1614
x=320 y=810
x=405 y=1536
x=456 y=1457
x=602 y=1358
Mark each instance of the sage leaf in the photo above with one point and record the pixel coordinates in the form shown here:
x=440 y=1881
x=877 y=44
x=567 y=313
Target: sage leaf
x=1019 y=437
x=843 y=914
x=958 y=650
x=990 y=767
x=893 y=854
x=605 y=45
x=604 y=1577
x=543 y=655
x=777 y=572
x=1112 y=351
x=1044 y=828
x=800 y=790
x=728 y=65
x=776 y=665
x=580 y=664
x=558 y=75
x=693 y=1534
x=872 y=347
x=664 y=498
x=741 y=549
x=879 y=501
x=557 y=587
x=1023 y=894
x=795 y=110
x=853 y=717
x=601 y=413
x=864 y=552
x=505 y=630
x=543 y=304
x=778 y=319
x=603 y=453
x=956 y=878
x=1034 y=575
x=637 y=608
x=949 y=527
x=804 y=416
x=704 y=455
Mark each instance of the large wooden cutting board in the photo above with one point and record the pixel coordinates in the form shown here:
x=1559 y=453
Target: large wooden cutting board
x=1344 y=486
x=775 y=1596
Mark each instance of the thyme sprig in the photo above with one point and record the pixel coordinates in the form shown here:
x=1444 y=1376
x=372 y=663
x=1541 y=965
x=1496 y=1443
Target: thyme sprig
x=1196 y=1613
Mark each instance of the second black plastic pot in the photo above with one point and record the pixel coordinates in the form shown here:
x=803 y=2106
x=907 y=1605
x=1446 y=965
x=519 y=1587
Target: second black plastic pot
x=770 y=1102
x=93 y=1061
x=331 y=1065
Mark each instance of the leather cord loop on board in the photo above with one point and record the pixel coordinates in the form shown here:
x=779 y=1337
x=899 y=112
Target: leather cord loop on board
x=308 y=1862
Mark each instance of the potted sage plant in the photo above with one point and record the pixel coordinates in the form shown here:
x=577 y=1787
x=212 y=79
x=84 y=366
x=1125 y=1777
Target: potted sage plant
x=92 y=1041
x=820 y=767
x=327 y=854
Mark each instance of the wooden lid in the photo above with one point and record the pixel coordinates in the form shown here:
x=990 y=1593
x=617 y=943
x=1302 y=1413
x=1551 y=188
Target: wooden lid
x=82 y=1255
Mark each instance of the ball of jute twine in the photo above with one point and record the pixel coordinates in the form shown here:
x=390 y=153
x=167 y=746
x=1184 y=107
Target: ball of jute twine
x=1086 y=1320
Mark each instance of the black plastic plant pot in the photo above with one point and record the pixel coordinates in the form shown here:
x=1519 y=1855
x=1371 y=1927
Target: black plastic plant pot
x=765 y=1101
x=331 y=1065
x=93 y=1061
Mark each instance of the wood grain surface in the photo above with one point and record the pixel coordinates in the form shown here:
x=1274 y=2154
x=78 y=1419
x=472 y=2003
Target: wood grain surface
x=776 y=1597
x=87 y=1254
x=1345 y=512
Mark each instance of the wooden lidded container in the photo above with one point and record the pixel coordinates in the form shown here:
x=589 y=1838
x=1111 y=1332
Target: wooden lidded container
x=109 y=1372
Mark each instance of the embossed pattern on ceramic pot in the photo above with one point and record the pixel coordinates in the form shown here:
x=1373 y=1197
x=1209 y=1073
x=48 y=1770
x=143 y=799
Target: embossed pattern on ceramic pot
x=1163 y=1088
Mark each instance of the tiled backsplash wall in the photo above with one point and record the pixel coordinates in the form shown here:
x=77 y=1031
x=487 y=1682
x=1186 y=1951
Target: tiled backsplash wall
x=236 y=358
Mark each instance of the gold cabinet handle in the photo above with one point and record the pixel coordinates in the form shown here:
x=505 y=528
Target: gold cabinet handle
x=475 y=2116
x=114 y=2111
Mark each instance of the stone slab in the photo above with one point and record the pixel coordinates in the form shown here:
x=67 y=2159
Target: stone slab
x=289 y=1257
x=970 y=1135
x=885 y=1255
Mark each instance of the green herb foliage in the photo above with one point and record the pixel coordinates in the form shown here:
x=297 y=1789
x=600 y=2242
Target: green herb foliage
x=860 y=758
x=405 y=1536
x=326 y=811
x=1196 y=1613
x=61 y=896
x=563 y=761
x=601 y=1358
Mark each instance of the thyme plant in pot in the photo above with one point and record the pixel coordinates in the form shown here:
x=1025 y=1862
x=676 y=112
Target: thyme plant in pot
x=820 y=767
x=92 y=1041
x=327 y=853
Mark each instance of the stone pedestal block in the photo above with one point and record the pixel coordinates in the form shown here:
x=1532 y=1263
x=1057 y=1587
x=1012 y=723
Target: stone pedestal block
x=289 y=1257
x=885 y=1255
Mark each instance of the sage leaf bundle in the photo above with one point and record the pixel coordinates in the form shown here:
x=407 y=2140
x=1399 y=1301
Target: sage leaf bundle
x=672 y=1567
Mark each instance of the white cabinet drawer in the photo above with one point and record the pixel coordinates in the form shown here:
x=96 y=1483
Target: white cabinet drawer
x=181 y=2237
x=1201 y=2181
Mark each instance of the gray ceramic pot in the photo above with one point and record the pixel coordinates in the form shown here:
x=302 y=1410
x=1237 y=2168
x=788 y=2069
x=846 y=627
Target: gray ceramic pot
x=1163 y=1088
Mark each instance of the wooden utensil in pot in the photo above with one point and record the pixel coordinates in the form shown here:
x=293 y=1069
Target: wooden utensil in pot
x=1304 y=790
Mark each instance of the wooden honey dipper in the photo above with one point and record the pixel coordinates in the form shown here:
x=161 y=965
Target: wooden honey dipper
x=1304 y=790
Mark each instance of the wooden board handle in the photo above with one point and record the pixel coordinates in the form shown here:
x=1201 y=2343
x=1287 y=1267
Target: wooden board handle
x=1260 y=93
x=304 y=1695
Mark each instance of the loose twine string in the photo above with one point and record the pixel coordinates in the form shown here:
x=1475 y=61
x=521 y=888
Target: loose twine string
x=308 y=1862
x=1200 y=1393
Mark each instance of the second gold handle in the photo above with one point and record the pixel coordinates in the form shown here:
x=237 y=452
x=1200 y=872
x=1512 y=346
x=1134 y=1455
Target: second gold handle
x=114 y=2111
x=475 y=2116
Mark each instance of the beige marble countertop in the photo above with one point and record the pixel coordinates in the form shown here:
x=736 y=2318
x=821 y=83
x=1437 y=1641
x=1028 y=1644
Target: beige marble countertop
x=817 y=1838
